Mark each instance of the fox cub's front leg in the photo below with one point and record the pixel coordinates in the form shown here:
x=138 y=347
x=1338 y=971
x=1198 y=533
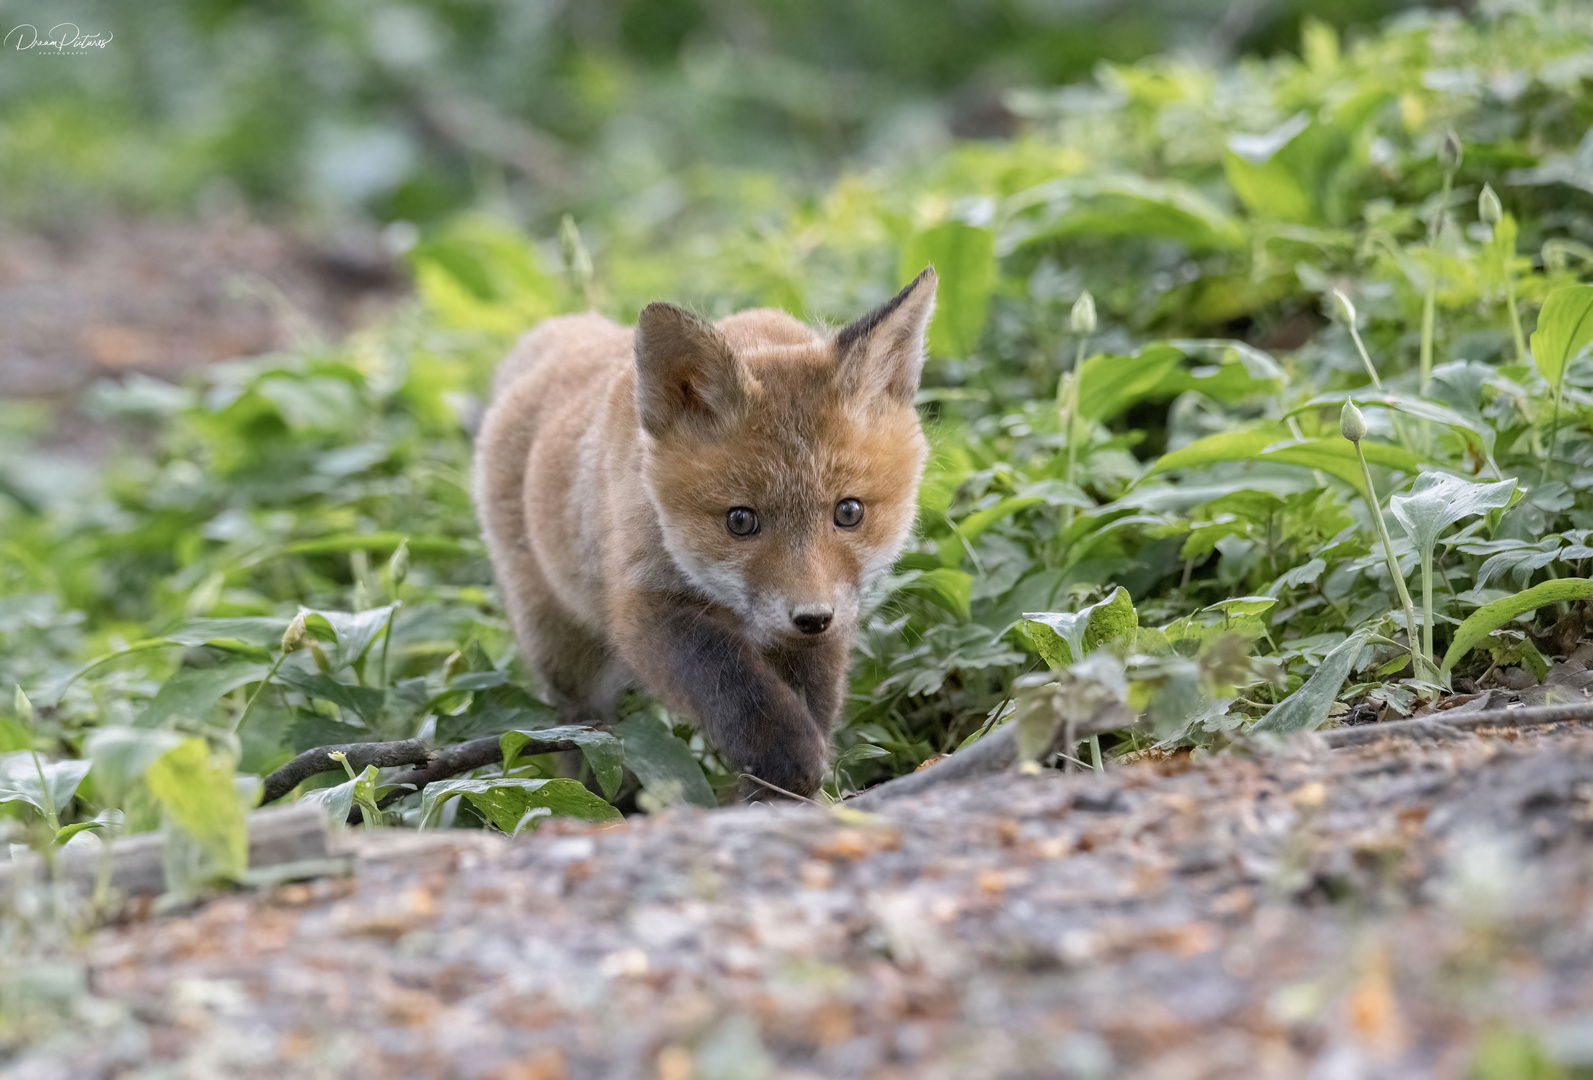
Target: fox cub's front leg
x=696 y=657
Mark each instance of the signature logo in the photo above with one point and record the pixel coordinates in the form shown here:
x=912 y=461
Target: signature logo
x=62 y=39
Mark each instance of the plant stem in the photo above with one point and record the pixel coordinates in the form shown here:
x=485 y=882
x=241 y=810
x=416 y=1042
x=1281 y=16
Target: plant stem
x=52 y=817
x=1355 y=335
x=1095 y=754
x=1068 y=392
x=1515 y=316
x=1429 y=302
x=1419 y=660
x=1427 y=608
x=248 y=706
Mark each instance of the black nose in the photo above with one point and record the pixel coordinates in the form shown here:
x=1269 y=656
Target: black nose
x=812 y=618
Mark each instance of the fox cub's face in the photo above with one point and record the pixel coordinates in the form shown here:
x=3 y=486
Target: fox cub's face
x=784 y=467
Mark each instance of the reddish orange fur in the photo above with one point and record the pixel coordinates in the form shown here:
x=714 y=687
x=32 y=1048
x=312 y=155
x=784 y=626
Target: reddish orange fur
x=606 y=465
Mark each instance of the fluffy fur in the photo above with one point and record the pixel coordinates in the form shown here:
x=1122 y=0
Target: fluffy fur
x=606 y=465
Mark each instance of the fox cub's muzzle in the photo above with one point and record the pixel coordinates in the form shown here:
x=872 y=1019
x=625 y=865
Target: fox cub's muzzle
x=812 y=618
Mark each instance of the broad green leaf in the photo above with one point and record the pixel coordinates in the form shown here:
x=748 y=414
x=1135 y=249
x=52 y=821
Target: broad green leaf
x=1123 y=205
x=122 y=755
x=1475 y=432
x=1565 y=328
x=603 y=752
x=1063 y=638
x=951 y=589
x=337 y=800
x=20 y=782
x=964 y=257
x=1307 y=708
x=1243 y=605
x=195 y=787
x=1336 y=457
x=363 y=701
x=110 y=821
x=1490 y=617
x=258 y=632
x=353 y=631
x=192 y=693
x=663 y=763
x=1439 y=500
x=505 y=801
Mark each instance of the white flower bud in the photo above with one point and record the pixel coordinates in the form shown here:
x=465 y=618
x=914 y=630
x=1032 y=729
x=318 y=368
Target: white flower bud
x=398 y=565
x=293 y=636
x=1351 y=423
x=24 y=707
x=1489 y=209
x=1346 y=308
x=1082 y=318
x=1451 y=154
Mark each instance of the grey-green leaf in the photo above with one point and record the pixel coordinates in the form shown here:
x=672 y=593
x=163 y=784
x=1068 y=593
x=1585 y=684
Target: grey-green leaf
x=663 y=763
x=1307 y=708
x=505 y=801
x=1439 y=500
x=19 y=780
x=1565 y=328
x=603 y=752
x=192 y=693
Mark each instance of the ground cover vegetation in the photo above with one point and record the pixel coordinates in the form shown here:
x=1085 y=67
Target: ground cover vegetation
x=1257 y=391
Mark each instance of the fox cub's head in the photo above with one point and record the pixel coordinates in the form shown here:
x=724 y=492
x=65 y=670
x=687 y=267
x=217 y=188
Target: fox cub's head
x=784 y=465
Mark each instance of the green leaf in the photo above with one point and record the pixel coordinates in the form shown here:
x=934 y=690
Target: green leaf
x=19 y=780
x=1336 y=457
x=505 y=801
x=195 y=787
x=108 y=820
x=1307 y=708
x=964 y=257
x=353 y=631
x=1062 y=638
x=337 y=800
x=363 y=701
x=258 y=632
x=951 y=589
x=1439 y=500
x=192 y=693
x=1243 y=605
x=663 y=763
x=1565 y=328
x=1490 y=617
x=1123 y=205
x=122 y=755
x=603 y=752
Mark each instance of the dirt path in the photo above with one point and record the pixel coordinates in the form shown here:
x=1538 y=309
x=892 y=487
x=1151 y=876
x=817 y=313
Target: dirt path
x=113 y=297
x=1378 y=911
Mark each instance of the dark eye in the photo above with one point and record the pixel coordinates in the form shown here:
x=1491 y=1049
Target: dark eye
x=848 y=513
x=741 y=521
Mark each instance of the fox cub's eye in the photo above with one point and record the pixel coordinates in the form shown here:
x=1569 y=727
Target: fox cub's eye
x=741 y=521
x=848 y=513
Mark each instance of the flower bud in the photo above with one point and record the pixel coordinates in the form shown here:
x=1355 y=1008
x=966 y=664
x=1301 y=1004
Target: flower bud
x=1489 y=209
x=293 y=636
x=1346 y=309
x=1351 y=423
x=1082 y=319
x=1451 y=153
x=362 y=595
x=24 y=707
x=398 y=565
x=577 y=260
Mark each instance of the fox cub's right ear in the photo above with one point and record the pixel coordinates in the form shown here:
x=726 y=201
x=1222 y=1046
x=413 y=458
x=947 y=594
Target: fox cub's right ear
x=882 y=354
x=685 y=372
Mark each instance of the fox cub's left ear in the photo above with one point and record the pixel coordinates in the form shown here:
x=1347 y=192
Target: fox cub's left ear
x=883 y=352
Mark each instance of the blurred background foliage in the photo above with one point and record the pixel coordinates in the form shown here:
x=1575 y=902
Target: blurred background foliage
x=414 y=110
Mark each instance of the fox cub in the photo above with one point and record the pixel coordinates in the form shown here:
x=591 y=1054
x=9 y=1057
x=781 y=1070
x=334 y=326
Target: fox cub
x=702 y=507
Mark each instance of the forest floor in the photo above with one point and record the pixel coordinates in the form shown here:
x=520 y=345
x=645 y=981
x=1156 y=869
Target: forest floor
x=1400 y=909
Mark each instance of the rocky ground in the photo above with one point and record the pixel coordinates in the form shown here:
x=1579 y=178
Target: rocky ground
x=1401 y=909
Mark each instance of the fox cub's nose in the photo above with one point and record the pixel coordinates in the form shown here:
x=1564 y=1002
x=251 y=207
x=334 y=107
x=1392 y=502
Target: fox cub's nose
x=812 y=618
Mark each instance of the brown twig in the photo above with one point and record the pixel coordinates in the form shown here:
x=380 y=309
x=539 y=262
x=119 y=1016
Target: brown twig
x=780 y=790
x=382 y=755
x=1438 y=725
x=431 y=764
